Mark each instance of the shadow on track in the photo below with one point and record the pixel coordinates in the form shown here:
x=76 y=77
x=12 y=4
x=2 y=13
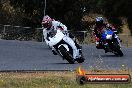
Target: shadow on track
x=63 y=63
x=109 y=56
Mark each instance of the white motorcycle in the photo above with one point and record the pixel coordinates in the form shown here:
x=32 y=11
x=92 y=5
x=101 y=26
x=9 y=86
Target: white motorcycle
x=62 y=48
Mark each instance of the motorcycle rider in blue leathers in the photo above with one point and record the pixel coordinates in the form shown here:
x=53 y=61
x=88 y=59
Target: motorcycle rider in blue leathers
x=99 y=27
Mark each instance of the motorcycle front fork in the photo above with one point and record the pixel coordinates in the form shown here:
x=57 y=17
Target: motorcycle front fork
x=118 y=40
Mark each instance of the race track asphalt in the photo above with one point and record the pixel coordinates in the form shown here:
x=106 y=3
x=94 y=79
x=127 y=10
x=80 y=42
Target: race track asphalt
x=30 y=55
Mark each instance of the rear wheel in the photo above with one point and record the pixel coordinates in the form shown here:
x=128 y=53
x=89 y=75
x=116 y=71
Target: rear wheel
x=80 y=60
x=66 y=54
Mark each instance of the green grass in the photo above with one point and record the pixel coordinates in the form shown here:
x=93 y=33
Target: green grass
x=49 y=80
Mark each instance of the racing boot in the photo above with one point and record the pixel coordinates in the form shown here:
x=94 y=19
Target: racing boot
x=78 y=46
x=99 y=45
x=54 y=52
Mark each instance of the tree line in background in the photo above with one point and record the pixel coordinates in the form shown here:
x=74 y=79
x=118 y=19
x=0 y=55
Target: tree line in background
x=69 y=12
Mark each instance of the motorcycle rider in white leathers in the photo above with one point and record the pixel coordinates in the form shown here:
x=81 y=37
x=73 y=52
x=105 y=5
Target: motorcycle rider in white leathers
x=49 y=25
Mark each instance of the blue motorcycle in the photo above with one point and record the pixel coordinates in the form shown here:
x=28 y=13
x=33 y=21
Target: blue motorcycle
x=111 y=42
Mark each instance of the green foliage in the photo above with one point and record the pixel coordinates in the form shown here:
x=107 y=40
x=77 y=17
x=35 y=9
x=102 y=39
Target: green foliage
x=69 y=12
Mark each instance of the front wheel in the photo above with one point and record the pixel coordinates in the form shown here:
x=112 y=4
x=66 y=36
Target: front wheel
x=65 y=54
x=117 y=50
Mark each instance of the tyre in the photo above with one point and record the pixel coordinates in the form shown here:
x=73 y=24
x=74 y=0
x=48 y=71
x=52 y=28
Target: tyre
x=80 y=60
x=121 y=53
x=66 y=55
x=117 y=50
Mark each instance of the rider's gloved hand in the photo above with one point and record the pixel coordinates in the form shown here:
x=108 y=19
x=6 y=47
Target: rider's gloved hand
x=71 y=35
